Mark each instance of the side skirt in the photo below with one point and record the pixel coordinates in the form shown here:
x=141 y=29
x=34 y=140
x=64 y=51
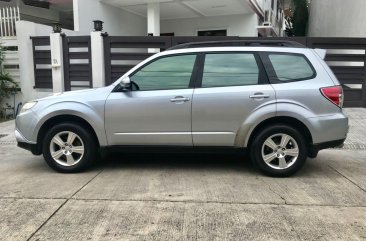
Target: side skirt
x=174 y=149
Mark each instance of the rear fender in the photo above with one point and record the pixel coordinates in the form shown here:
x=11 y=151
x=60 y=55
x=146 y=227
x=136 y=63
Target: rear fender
x=258 y=115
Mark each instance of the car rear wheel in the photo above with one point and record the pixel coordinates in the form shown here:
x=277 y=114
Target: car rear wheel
x=69 y=147
x=279 y=150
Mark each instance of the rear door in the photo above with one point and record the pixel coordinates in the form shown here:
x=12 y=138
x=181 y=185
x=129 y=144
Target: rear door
x=232 y=85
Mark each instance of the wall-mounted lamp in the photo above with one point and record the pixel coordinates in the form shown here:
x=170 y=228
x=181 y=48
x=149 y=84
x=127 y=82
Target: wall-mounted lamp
x=56 y=27
x=98 y=25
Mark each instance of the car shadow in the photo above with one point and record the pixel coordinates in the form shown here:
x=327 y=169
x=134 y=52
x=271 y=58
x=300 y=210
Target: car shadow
x=189 y=161
x=182 y=161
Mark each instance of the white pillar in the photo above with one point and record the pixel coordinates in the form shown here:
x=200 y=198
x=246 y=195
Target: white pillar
x=153 y=22
x=153 y=18
x=57 y=63
x=75 y=6
x=97 y=56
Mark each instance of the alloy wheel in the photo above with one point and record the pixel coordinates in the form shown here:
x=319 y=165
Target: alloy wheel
x=280 y=151
x=67 y=148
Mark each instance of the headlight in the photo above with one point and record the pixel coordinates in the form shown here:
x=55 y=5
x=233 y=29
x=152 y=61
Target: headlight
x=27 y=106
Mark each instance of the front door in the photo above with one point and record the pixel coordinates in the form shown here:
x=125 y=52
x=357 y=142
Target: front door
x=157 y=111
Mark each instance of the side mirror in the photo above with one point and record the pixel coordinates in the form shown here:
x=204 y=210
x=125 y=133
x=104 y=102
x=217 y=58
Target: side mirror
x=126 y=84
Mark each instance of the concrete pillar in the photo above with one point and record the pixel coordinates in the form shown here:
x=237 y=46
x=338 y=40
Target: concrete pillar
x=97 y=56
x=153 y=19
x=153 y=22
x=57 y=63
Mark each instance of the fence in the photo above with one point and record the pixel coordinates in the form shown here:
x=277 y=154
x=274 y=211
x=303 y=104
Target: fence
x=345 y=56
x=42 y=62
x=77 y=62
x=8 y=17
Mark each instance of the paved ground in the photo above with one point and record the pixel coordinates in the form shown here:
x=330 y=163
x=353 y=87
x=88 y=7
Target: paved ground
x=185 y=197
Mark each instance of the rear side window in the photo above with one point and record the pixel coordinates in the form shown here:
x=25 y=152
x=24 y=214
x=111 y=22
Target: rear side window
x=290 y=67
x=230 y=69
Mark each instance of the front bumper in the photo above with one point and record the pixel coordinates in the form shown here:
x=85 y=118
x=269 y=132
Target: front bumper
x=29 y=147
x=26 y=144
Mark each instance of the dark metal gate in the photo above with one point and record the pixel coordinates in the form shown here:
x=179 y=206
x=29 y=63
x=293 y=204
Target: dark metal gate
x=345 y=56
x=77 y=62
x=347 y=59
x=42 y=62
x=122 y=53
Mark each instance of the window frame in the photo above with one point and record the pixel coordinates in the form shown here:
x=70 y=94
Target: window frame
x=191 y=81
x=271 y=73
x=262 y=75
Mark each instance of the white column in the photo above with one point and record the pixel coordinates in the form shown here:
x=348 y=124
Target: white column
x=153 y=22
x=57 y=63
x=75 y=6
x=153 y=18
x=97 y=56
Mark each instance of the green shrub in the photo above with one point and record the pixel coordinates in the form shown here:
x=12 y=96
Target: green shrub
x=7 y=85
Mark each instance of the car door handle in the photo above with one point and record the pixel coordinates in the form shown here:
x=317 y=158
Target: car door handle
x=258 y=96
x=179 y=99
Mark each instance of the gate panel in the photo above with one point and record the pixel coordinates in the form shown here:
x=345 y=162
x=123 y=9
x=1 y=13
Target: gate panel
x=346 y=57
x=77 y=62
x=42 y=62
x=123 y=53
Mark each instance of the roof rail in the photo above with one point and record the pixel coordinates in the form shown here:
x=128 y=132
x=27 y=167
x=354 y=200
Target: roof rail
x=239 y=43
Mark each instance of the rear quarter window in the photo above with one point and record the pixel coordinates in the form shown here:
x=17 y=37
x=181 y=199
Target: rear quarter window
x=287 y=67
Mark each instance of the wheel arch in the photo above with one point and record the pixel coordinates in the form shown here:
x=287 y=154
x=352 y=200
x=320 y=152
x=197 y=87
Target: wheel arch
x=63 y=119
x=285 y=120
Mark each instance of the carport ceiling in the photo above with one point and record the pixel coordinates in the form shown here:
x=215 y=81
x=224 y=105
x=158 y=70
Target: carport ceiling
x=173 y=9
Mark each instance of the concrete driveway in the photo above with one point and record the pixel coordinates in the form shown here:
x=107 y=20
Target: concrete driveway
x=184 y=197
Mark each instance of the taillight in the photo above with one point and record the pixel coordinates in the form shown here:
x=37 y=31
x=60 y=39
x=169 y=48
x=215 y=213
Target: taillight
x=334 y=94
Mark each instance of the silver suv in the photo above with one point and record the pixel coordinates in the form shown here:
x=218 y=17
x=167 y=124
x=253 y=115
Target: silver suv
x=278 y=100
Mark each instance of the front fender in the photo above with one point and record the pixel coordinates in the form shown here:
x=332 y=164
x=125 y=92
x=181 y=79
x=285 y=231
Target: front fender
x=93 y=115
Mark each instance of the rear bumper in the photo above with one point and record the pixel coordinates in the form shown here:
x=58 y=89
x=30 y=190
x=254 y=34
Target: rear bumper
x=315 y=148
x=328 y=130
x=329 y=144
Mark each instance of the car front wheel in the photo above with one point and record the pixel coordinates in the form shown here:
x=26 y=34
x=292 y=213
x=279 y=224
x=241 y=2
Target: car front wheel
x=279 y=150
x=69 y=147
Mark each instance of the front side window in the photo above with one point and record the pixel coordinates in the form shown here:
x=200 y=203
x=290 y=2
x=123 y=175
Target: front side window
x=173 y=72
x=290 y=67
x=230 y=69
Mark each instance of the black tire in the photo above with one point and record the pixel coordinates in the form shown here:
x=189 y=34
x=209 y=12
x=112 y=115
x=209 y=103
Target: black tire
x=88 y=141
x=258 y=143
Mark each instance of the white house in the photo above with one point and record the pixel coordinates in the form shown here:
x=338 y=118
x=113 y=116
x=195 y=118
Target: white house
x=22 y=19
x=344 y=19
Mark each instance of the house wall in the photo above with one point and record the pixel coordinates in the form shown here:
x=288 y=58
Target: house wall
x=337 y=18
x=40 y=15
x=116 y=21
x=236 y=25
